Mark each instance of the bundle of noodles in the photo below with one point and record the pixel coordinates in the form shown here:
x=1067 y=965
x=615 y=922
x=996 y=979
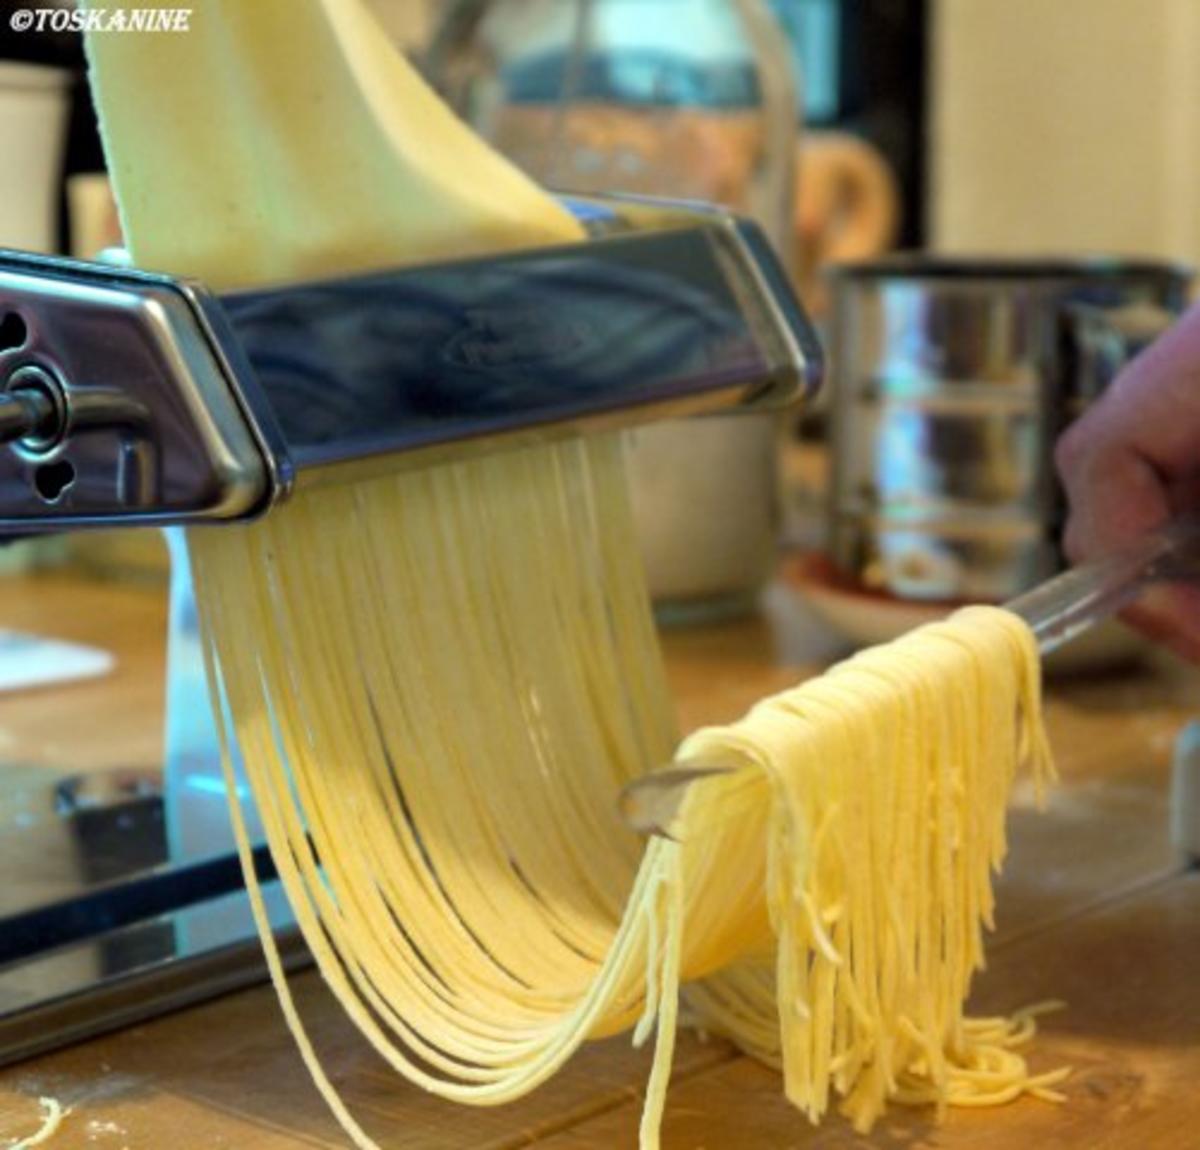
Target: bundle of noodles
x=438 y=681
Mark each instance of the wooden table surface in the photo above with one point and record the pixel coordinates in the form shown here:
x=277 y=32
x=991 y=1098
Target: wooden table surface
x=1094 y=909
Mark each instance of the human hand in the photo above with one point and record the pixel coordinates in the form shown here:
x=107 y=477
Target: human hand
x=1131 y=462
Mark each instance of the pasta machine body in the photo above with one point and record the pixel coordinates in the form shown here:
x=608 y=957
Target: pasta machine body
x=129 y=398
x=134 y=398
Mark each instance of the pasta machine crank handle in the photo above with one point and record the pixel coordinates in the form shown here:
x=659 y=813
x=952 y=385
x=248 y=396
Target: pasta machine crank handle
x=1057 y=611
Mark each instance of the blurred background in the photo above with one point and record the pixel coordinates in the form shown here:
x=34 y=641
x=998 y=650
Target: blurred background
x=1005 y=125
x=1009 y=125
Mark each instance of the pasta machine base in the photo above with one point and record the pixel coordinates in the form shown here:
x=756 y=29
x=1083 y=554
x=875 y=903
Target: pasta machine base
x=102 y=927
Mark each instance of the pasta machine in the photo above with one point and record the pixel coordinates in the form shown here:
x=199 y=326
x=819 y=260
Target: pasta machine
x=130 y=398
x=133 y=398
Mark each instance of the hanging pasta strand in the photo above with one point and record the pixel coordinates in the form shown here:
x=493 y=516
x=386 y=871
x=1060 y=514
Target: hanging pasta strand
x=892 y=772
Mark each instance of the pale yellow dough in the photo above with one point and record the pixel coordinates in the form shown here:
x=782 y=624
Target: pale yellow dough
x=438 y=681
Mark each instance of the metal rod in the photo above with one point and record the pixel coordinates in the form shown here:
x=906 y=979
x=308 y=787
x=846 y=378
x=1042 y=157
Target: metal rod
x=23 y=413
x=1057 y=611
x=1075 y=601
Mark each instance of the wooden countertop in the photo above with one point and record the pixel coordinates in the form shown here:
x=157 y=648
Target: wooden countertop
x=1094 y=909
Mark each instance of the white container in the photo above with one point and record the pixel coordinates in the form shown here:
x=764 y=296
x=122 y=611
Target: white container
x=34 y=102
x=707 y=510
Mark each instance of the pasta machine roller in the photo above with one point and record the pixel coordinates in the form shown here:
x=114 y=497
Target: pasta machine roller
x=134 y=398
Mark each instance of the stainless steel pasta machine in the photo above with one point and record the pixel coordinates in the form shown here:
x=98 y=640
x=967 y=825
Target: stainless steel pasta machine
x=133 y=398
x=129 y=398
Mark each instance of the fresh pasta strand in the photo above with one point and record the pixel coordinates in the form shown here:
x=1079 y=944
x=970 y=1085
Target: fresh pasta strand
x=53 y=1115
x=874 y=954
x=891 y=776
x=505 y=901
x=438 y=681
